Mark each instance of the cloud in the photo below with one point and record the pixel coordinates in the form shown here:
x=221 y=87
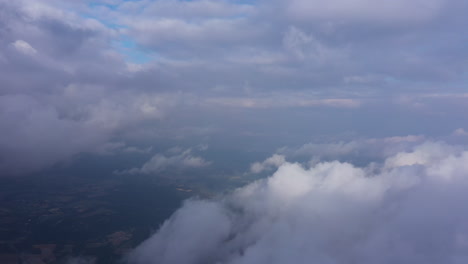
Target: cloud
x=424 y=154
x=35 y=136
x=365 y=150
x=272 y=162
x=24 y=47
x=40 y=131
x=133 y=149
x=331 y=212
x=394 y=12
x=175 y=243
x=182 y=160
x=149 y=72
x=304 y=46
x=275 y=101
x=460 y=132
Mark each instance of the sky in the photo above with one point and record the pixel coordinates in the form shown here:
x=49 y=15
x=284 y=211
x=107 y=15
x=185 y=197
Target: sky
x=116 y=76
x=353 y=111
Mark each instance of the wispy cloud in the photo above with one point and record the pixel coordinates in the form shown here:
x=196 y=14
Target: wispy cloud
x=182 y=159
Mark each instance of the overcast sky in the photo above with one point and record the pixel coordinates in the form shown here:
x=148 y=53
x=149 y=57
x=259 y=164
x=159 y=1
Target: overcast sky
x=145 y=77
x=356 y=109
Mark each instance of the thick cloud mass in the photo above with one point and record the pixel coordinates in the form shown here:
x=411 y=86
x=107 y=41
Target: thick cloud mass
x=77 y=76
x=410 y=209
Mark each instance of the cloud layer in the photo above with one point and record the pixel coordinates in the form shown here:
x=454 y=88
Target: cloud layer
x=409 y=209
x=79 y=75
x=181 y=159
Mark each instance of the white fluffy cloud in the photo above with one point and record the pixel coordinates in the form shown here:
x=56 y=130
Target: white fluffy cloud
x=331 y=212
x=272 y=162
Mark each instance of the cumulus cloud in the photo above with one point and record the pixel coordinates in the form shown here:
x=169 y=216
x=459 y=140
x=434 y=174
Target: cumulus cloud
x=331 y=212
x=272 y=162
x=159 y=162
x=424 y=154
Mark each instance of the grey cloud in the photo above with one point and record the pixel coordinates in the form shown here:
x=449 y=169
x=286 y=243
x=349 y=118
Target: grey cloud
x=40 y=131
x=31 y=131
x=358 y=11
x=24 y=47
x=183 y=241
x=331 y=212
x=339 y=70
x=460 y=132
x=363 y=150
x=275 y=101
x=138 y=150
x=181 y=159
x=342 y=44
x=60 y=88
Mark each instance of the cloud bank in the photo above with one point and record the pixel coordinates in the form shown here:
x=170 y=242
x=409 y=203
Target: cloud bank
x=79 y=75
x=409 y=209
